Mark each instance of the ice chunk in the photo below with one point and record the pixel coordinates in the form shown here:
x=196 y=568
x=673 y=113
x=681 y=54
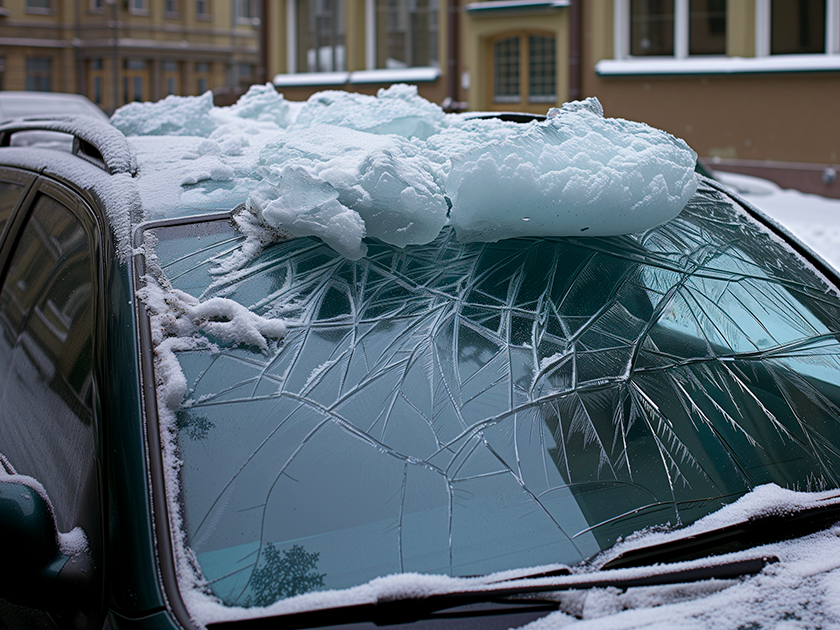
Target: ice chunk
x=576 y=173
x=196 y=115
x=380 y=186
x=305 y=205
x=263 y=103
x=172 y=116
x=397 y=110
x=396 y=168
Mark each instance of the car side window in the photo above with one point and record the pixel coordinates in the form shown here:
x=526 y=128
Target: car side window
x=46 y=357
x=9 y=195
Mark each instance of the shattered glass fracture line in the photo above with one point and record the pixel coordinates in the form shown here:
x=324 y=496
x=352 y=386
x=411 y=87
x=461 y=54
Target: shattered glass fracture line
x=467 y=408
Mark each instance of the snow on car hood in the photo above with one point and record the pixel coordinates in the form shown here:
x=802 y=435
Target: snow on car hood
x=344 y=166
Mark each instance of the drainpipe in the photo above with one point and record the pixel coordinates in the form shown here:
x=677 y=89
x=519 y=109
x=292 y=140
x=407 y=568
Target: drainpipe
x=451 y=103
x=80 y=65
x=575 y=53
x=262 y=70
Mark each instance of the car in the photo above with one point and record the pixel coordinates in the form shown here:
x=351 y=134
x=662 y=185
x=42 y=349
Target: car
x=34 y=105
x=228 y=401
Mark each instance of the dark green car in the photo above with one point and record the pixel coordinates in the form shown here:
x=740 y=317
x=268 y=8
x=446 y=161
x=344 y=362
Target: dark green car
x=482 y=422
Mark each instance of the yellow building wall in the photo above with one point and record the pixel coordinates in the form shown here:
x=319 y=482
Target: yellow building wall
x=478 y=34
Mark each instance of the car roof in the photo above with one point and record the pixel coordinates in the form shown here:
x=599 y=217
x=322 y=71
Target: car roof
x=24 y=104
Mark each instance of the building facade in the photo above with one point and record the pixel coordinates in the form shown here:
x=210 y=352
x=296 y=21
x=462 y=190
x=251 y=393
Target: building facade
x=740 y=80
x=743 y=81
x=118 y=51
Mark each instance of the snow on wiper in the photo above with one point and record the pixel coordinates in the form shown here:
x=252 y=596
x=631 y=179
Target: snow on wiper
x=760 y=524
x=525 y=591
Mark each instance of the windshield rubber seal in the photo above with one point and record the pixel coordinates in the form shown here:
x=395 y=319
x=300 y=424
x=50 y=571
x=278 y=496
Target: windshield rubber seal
x=164 y=540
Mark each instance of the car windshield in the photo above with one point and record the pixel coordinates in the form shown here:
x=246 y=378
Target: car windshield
x=465 y=408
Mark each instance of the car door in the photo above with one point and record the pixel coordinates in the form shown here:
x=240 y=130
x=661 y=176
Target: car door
x=50 y=311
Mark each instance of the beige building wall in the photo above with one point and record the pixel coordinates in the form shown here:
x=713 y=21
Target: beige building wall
x=156 y=51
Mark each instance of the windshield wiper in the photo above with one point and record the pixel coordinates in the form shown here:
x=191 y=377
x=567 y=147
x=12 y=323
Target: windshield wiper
x=496 y=600
x=755 y=531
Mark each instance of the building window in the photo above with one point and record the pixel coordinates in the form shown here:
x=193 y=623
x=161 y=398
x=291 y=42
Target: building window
x=542 y=69
x=525 y=69
x=202 y=9
x=170 y=8
x=96 y=72
x=202 y=71
x=677 y=28
x=97 y=6
x=39 y=75
x=797 y=28
x=171 y=77
x=38 y=6
x=506 y=70
x=134 y=80
x=320 y=35
x=138 y=7
x=684 y=28
x=406 y=33
x=245 y=10
x=245 y=74
x=651 y=27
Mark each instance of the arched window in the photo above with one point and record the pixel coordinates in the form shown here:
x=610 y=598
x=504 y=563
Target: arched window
x=524 y=69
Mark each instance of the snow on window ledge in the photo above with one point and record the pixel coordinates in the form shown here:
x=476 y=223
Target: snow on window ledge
x=398 y=75
x=311 y=78
x=493 y=6
x=718 y=65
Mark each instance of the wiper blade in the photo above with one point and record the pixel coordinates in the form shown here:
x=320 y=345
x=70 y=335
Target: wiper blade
x=495 y=600
x=756 y=531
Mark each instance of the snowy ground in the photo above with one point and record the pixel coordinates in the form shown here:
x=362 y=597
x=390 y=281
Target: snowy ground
x=814 y=219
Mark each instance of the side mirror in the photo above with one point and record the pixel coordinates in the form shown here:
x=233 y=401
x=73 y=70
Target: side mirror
x=36 y=569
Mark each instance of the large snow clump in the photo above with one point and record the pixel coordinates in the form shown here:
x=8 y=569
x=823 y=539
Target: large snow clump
x=395 y=167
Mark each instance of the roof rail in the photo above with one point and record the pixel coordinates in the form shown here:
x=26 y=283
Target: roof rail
x=93 y=140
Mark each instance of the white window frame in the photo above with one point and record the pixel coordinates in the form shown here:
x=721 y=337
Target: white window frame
x=143 y=9
x=762 y=28
x=624 y=64
x=372 y=74
x=46 y=10
x=206 y=14
x=370 y=38
x=621 y=31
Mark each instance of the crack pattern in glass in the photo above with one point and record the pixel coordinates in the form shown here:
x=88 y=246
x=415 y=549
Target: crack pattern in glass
x=468 y=408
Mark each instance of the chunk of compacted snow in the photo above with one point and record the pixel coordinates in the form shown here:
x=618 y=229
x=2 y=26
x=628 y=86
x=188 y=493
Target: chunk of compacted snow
x=576 y=173
x=396 y=167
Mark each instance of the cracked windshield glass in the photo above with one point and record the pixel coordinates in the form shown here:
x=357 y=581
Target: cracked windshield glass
x=464 y=408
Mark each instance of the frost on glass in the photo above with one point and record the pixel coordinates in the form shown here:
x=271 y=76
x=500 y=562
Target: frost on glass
x=463 y=408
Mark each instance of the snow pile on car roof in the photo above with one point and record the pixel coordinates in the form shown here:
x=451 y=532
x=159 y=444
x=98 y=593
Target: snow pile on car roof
x=344 y=166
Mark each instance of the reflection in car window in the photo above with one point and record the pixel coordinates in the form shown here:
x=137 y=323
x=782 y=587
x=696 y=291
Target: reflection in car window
x=46 y=357
x=9 y=196
x=468 y=408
